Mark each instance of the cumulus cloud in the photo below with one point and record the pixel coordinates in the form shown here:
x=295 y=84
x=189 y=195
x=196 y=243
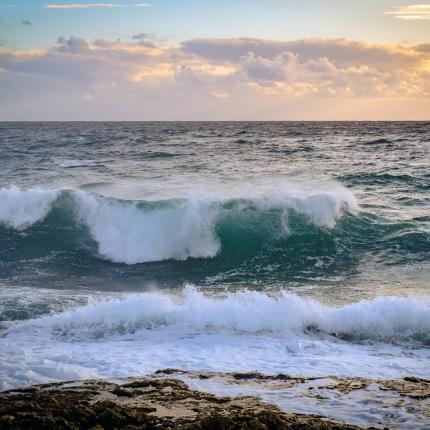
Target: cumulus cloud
x=72 y=45
x=146 y=39
x=345 y=52
x=412 y=12
x=146 y=78
x=93 y=5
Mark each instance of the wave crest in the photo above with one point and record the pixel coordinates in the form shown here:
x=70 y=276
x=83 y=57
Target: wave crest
x=145 y=231
x=383 y=319
x=22 y=208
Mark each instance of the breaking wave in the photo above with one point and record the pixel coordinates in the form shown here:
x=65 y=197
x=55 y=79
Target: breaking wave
x=22 y=208
x=384 y=319
x=137 y=231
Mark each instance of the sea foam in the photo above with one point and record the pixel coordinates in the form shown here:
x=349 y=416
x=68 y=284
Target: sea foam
x=243 y=331
x=283 y=314
x=127 y=232
x=22 y=208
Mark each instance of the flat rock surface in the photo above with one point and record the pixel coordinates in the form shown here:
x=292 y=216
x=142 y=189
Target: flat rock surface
x=162 y=401
x=143 y=403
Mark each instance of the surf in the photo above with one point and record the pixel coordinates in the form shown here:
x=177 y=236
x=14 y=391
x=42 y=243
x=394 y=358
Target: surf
x=230 y=331
x=139 y=231
x=383 y=319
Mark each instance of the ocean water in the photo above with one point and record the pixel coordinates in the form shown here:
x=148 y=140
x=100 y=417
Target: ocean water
x=301 y=248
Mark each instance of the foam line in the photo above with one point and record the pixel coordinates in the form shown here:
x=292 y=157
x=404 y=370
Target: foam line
x=383 y=319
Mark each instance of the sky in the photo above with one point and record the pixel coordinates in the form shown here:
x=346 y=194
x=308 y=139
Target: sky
x=214 y=60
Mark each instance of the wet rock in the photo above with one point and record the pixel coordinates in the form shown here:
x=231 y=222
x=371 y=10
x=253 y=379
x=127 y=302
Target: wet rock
x=151 y=403
x=416 y=388
x=122 y=392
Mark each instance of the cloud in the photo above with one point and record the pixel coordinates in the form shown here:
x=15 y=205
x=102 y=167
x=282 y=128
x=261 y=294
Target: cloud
x=7 y=5
x=146 y=78
x=26 y=22
x=72 y=45
x=346 y=52
x=425 y=47
x=146 y=39
x=142 y=36
x=412 y=12
x=94 y=5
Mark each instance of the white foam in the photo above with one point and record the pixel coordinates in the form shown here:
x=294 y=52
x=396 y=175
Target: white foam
x=135 y=232
x=243 y=331
x=78 y=163
x=250 y=312
x=317 y=397
x=128 y=233
x=22 y=208
x=326 y=208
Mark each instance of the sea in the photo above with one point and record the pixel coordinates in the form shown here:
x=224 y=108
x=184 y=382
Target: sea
x=300 y=248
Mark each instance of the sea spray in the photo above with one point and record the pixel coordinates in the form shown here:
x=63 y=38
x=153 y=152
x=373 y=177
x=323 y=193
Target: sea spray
x=384 y=319
x=108 y=210
x=20 y=209
x=145 y=231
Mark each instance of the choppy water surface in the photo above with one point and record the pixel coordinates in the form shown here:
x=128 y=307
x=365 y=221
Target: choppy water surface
x=301 y=248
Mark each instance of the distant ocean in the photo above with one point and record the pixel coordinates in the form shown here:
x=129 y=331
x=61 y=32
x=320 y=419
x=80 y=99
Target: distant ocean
x=301 y=248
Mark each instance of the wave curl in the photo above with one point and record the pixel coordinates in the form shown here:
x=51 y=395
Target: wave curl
x=175 y=229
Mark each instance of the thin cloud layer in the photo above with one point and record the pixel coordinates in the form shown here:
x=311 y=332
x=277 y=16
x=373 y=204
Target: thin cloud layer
x=412 y=12
x=93 y=5
x=145 y=78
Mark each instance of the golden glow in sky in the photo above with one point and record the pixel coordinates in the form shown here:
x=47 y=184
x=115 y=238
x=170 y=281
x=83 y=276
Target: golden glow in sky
x=248 y=60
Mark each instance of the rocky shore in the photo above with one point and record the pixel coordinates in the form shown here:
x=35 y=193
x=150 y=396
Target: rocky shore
x=164 y=401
